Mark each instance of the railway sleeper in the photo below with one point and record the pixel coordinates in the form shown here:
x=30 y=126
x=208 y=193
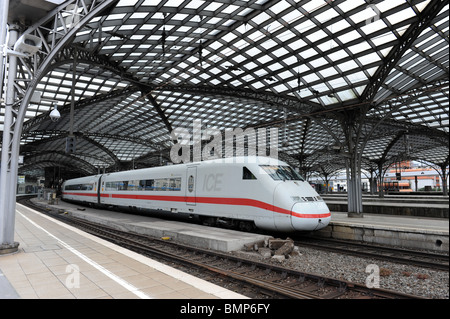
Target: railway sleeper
x=312 y=287
x=333 y=295
x=245 y=270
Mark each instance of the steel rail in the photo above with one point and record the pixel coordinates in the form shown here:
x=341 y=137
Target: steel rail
x=145 y=248
x=403 y=256
x=149 y=246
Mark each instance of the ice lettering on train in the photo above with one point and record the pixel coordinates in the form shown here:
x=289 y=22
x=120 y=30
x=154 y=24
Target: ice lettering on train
x=213 y=182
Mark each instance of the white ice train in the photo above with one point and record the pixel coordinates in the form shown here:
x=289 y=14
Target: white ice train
x=245 y=192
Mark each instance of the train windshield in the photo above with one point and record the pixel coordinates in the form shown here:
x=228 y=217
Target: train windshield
x=282 y=173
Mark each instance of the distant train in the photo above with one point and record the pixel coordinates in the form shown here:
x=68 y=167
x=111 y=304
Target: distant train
x=242 y=192
x=397 y=186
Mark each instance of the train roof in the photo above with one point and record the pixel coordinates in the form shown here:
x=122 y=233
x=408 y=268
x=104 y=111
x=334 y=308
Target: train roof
x=260 y=160
x=239 y=160
x=84 y=179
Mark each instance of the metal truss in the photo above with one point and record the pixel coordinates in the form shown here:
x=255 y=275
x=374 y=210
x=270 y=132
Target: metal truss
x=329 y=74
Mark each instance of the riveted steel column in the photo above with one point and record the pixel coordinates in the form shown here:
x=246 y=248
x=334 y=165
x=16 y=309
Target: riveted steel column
x=352 y=125
x=7 y=183
x=355 y=208
x=4 y=7
x=7 y=201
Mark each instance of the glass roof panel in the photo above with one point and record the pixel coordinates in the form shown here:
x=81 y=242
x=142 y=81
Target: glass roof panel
x=236 y=64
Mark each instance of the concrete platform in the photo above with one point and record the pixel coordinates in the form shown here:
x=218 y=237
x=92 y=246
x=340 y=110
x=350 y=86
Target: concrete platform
x=57 y=261
x=402 y=231
x=403 y=205
x=219 y=239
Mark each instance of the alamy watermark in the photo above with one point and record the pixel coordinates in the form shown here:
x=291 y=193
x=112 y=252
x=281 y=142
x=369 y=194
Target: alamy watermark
x=377 y=15
x=73 y=277
x=373 y=279
x=198 y=144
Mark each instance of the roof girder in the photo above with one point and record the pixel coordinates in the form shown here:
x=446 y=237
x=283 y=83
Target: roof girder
x=282 y=99
x=406 y=41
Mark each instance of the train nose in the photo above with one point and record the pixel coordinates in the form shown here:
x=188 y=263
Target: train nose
x=309 y=216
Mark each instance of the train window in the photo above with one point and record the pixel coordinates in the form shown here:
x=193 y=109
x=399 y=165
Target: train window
x=147 y=184
x=175 y=184
x=191 y=183
x=246 y=174
x=87 y=187
x=79 y=187
x=123 y=186
x=282 y=173
x=133 y=185
x=112 y=186
x=161 y=184
x=71 y=187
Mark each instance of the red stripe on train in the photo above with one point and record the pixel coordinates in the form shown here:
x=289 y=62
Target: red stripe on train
x=207 y=200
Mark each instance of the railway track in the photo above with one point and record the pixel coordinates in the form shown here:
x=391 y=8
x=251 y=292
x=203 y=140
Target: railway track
x=263 y=279
x=397 y=255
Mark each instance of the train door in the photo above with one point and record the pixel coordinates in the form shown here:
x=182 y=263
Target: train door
x=191 y=189
x=99 y=189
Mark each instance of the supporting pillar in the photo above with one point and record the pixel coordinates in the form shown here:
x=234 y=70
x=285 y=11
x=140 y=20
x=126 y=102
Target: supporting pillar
x=351 y=126
x=354 y=191
x=8 y=183
x=11 y=140
x=4 y=7
x=444 y=178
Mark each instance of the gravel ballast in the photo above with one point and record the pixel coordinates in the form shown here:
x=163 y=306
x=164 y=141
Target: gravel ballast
x=422 y=282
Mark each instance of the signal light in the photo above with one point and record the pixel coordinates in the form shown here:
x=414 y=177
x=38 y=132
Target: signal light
x=71 y=144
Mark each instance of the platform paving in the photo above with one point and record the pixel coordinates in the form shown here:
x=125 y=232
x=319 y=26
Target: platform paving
x=392 y=230
x=200 y=236
x=58 y=261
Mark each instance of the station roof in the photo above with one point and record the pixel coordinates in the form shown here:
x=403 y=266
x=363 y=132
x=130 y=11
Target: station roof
x=146 y=67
